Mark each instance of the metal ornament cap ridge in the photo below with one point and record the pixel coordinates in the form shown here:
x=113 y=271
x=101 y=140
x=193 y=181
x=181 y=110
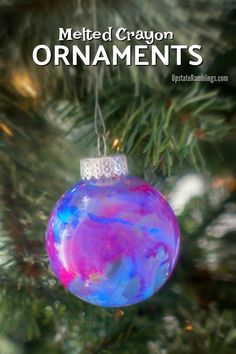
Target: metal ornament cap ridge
x=104 y=167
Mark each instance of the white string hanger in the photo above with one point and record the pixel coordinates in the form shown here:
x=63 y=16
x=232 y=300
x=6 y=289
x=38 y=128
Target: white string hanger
x=99 y=123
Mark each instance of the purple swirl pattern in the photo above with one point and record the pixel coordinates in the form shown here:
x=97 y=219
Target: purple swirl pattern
x=112 y=242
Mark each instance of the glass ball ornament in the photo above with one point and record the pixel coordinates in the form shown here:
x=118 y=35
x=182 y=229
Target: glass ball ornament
x=112 y=239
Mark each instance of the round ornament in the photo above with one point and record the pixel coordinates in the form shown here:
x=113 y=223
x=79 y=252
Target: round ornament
x=112 y=239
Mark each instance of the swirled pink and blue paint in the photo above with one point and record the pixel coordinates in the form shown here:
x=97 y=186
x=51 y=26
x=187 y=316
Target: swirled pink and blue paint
x=112 y=242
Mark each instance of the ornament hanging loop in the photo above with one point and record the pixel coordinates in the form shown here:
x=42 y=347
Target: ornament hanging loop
x=99 y=123
x=102 y=139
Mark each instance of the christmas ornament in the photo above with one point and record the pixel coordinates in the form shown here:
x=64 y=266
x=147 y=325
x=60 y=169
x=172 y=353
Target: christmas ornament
x=112 y=239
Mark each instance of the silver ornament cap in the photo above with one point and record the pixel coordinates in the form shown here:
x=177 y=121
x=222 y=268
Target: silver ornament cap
x=104 y=167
